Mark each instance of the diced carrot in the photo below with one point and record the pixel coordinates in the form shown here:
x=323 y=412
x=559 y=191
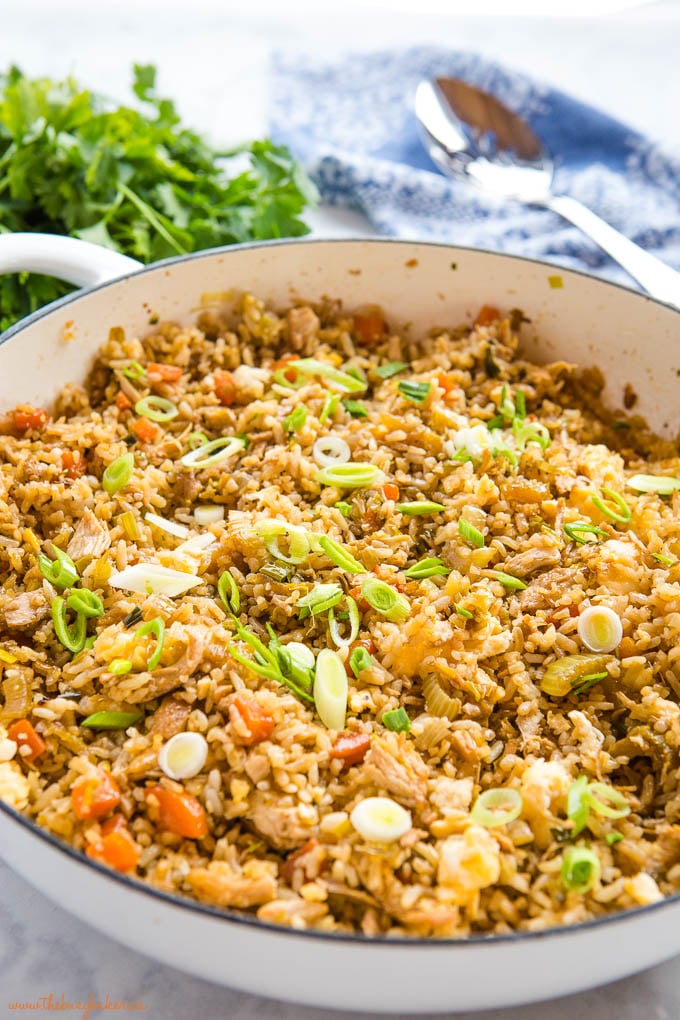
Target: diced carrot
x=95 y=795
x=73 y=463
x=351 y=748
x=358 y=598
x=486 y=315
x=225 y=388
x=26 y=418
x=445 y=382
x=145 y=430
x=257 y=724
x=123 y=402
x=311 y=868
x=115 y=846
x=390 y=490
x=179 y=812
x=23 y=734
x=370 y=328
x=284 y=360
x=166 y=373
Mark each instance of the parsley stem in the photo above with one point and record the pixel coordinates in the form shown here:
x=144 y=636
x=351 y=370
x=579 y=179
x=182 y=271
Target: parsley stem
x=149 y=214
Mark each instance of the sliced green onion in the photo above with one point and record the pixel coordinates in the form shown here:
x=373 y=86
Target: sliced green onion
x=419 y=508
x=667 y=561
x=600 y=629
x=356 y=373
x=112 y=720
x=152 y=578
x=132 y=618
x=86 y=603
x=344 y=508
x=507 y=405
x=118 y=473
x=578 y=807
x=354 y=622
x=330 y=406
x=397 y=720
x=169 y=527
x=156 y=627
x=340 y=380
x=415 y=391
x=576 y=529
x=360 y=660
x=299 y=540
x=497 y=807
x=330 y=689
x=612 y=838
x=391 y=368
x=72 y=637
x=530 y=432
x=587 y=681
x=197 y=439
x=276 y=572
x=128 y=523
x=319 y=599
x=294 y=421
x=431 y=566
x=282 y=376
x=156 y=408
x=607 y=802
x=662 y=485
x=133 y=370
x=229 y=593
x=120 y=666
x=214 y=452
x=209 y=513
x=470 y=533
x=356 y=408
x=623 y=514
x=462 y=611
x=385 y=600
x=61 y=571
x=267 y=663
x=340 y=556
x=565 y=674
x=508 y=581
x=520 y=404
x=580 y=869
x=352 y=475
x=302 y=663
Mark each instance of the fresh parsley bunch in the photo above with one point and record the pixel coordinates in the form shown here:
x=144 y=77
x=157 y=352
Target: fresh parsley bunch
x=134 y=180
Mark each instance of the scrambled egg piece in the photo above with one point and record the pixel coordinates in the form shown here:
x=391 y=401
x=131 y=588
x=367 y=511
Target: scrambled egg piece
x=469 y=862
x=544 y=789
x=14 y=787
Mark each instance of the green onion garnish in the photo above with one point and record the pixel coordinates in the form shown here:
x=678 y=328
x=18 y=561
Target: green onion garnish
x=470 y=533
x=294 y=421
x=120 y=666
x=578 y=807
x=214 y=452
x=156 y=408
x=359 y=660
x=584 y=683
x=112 y=720
x=508 y=581
x=354 y=622
x=330 y=405
x=86 y=603
x=606 y=801
x=580 y=869
x=229 y=593
x=157 y=628
x=276 y=572
x=462 y=611
x=391 y=368
x=356 y=408
x=612 y=838
x=299 y=540
x=520 y=404
x=197 y=439
x=61 y=571
x=311 y=367
x=420 y=507
x=330 y=689
x=72 y=637
x=667 y=561
x=344 y=508
x=497 y=807
x=267 y=662
x=352 y=475
x=431 y=566
x=133 y=370
x=623 y=514
x=385 y=600
x=576 y=529
x=340 y=556
x=397 y=720
x=662 y=485
x=319 y=599
x=133 y=617
x=118 y=473
x=415 y=391
x=530 y=432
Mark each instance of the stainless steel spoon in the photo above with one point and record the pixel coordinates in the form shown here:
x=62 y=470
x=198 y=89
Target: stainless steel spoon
x=472 y=136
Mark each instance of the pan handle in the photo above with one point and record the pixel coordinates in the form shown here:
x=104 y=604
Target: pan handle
x=78 y=262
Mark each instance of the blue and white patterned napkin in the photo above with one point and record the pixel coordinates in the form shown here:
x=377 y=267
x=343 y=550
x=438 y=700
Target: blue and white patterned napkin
x=352 y=124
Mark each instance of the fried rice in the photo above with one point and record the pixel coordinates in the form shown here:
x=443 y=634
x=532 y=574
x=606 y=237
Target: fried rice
x=513 y=794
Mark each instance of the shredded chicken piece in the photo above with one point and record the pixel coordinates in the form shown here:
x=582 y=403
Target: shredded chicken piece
x=91 y=538
x=469 y=862
x=170 y=718
x=550 y=587
x=26 y=609
x=280 y=825
x=395 y=766
x=532 y=560
x=138 y=687
x=302 y=325
x=223 y=885
x=296 y=913
x=14 y=787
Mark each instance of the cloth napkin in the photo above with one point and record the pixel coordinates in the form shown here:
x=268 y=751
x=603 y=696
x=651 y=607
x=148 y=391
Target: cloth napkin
x=353 y=126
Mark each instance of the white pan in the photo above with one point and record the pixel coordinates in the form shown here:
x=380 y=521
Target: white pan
x=632 y=338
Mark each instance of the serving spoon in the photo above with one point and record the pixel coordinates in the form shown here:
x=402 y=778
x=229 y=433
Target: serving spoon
x=470 y=135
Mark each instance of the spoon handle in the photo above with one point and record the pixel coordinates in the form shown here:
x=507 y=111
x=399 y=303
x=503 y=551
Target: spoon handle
x=658 y=279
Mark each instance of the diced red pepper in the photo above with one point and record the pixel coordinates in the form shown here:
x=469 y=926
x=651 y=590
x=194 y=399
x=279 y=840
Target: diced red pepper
x=351 y=748
x=95 y=795
x=247 y=712
x=165 y=373
x=179 y=812
x=370 y=328
x=225 y=388
x=24 y=735
x=26 y=418
x=146 y=431
x=73 y=463
x=486 y=315
x=390 y=490
x=115 y=846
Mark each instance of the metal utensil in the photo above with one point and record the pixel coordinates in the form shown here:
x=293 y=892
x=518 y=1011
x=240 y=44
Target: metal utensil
x=470 y=135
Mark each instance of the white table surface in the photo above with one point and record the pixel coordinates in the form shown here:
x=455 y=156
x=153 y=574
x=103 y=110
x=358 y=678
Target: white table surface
x=212 y=58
